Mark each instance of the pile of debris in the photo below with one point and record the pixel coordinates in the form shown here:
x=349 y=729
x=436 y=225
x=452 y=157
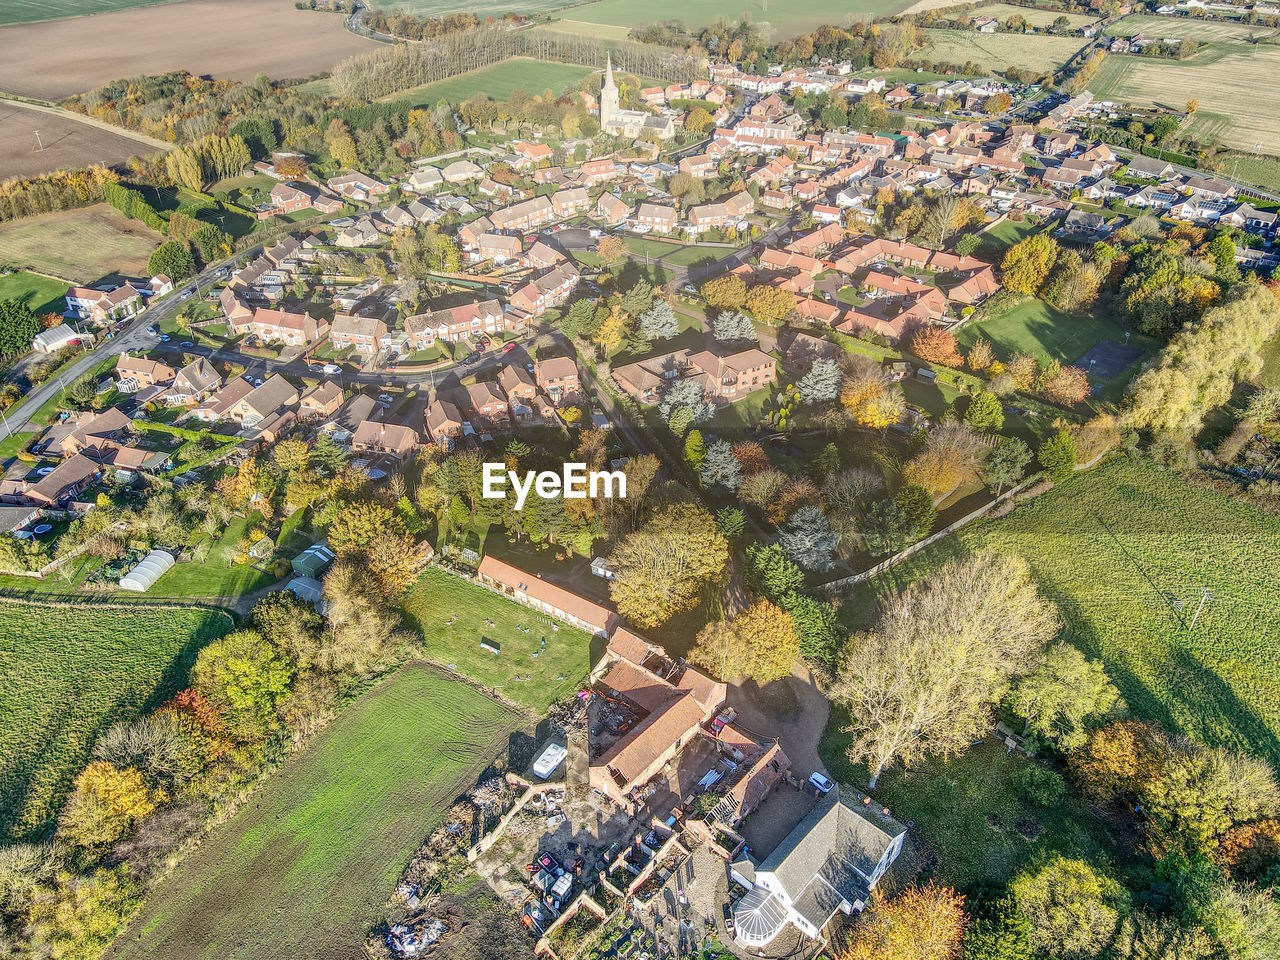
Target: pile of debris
x=413 y=940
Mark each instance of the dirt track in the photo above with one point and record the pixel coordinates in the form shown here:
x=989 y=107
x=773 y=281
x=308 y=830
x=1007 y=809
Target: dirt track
x=223 y=38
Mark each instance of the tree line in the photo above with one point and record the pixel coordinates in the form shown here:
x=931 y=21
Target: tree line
x=381 y=72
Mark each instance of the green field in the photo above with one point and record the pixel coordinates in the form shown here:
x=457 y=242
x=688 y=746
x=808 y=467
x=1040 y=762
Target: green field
x=998 y=51
x=1046 y=333
x=553 y=672
x=1253 y=168
x=68 y=675
x=30 y=11
x=1033 y=16
x=304 y=868
x=968 y=810
x=1188 y=28
x=41 y=294
x=785 y=19
x=1225 y=77
x=483 y=8
x=1124 y=550
x=497 y=82
x=81 y=246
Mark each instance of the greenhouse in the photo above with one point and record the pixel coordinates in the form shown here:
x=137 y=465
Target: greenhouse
x=142 y=577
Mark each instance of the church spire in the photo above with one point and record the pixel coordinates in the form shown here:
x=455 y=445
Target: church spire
x=608 y=69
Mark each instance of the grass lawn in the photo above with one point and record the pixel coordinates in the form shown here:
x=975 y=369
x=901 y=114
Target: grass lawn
x=311 y=858
x=1005 y=234
x=554 y=672
x=69 y=674
x=742 y=415
x=81 y=245
x=1124 y=550
x=787 y=20
x=498 y=81
x=215 y=576
x=11 y=444
x=968 y=811
x=41 y=294
x=1047 y=333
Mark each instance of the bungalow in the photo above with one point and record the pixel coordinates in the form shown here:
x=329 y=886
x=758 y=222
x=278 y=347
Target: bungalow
x=552 y=600
x=1149 y=168
x=343 y=422
x=362 y=334
x=68 y=479
x=390 y=439
x=219 y=406
x=460 y=171
x=357 y=186
x=423 y=180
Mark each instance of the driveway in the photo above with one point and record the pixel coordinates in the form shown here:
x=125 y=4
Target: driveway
x=799 y=729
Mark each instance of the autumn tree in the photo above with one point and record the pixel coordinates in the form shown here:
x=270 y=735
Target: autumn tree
x=951 y=457
x=1116 y=759
x=920 y=923
x=242 y=675
x=760 y=643
x=728 y=292
x=663 y=565
x=1067 y=385
x=1027 y=263
x=363 y=630
x=937 y=345
x=104 y=805
x=1074 y=909
x=945 y=649
x=611 y=249
x=980 y=356
x=870 y=398
x=770 y=304
x=1062 y=695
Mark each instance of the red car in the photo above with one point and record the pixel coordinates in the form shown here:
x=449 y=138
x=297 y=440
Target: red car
x=508 y=348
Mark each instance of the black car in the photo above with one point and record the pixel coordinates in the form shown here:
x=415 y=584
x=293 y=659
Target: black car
x=471 y=358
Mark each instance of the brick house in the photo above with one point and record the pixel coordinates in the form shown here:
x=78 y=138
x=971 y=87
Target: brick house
x=281 y=326
x=558 y=378
x=363 y=334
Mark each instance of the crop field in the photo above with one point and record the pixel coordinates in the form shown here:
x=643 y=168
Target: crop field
x=1034 y=16
x=1225 y=79
x=41 y=294
x=998 y=51
x=81 y=246
x=1125 y=551
x=235 y=39
x=553 y=672
x=1187 y=28
x=69 y=673
x=32 y=11
x=786 y=19
x=481 y=8
x=64 y=142
x=497 y=81
x=304 y=868
x=1046 y=333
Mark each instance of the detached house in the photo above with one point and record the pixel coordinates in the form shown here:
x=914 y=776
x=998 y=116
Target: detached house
x=656 y=217
x=357 y=186
x=444 y=423
x=193 y=383
x=558 y=378
x=736 y=375
x=390 y=439
x=138 y=373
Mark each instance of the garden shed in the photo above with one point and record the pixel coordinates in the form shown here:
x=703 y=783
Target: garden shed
x=142 y=577
x=313 y=561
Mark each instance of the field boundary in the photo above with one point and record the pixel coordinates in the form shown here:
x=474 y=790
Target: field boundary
x=45 y=106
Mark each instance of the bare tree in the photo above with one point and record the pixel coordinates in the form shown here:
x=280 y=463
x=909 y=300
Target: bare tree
x=945 y=649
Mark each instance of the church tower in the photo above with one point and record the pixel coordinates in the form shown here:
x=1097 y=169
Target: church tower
x=608 y=97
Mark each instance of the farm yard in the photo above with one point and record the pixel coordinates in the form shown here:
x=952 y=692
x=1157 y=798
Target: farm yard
x=70 y=672
x=40 y=294
x=998 y=51
x=1225 y=78
x=235 y=39
x=1125 y=551
x=311 y=857
x=553 y=672
x=32 y=11
x=67 y=142
x=498 y=81
x=81 y=246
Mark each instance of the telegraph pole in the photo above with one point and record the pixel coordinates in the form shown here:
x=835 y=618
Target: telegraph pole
x=38 y=140
x=1205 y=594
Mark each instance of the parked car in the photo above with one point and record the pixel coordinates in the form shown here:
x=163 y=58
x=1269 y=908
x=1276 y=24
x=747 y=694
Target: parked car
x=386 y=398
x=153 y=331
x=508 y=348
x=331 y=368
x=164 y=338
x=821 y=783
x=471 y=358
x=187 y=343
